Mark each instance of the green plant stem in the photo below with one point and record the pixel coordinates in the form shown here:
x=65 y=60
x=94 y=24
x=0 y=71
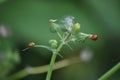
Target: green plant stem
x=54 y=55
x=18 y=75
x=110 y=72
x=59 y=35
x=51 y=66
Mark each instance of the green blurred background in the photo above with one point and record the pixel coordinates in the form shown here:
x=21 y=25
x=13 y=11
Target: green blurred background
x=22 y=21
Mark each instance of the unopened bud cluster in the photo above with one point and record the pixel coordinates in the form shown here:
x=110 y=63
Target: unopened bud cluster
x=69 y=27
x=53 y=43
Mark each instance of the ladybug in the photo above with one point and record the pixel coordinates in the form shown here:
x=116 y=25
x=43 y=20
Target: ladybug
x=31 y=44
x=94 y=37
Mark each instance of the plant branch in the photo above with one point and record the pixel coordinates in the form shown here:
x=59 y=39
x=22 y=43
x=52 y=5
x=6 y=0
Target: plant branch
x=54 y=55
x=59 y=35
x=110 y=72
x=49 y=73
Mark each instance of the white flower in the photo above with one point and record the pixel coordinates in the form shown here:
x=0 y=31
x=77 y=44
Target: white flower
x=68 y=22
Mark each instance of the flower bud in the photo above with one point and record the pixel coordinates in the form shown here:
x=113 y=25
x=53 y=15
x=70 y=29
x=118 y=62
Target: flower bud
x=53 y=43
x=53 y=26
x=75 y=29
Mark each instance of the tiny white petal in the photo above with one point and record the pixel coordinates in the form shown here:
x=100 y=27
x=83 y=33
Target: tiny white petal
x=52 y=20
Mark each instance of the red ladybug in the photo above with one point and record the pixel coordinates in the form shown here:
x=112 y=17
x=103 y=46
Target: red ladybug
x=94 y=37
